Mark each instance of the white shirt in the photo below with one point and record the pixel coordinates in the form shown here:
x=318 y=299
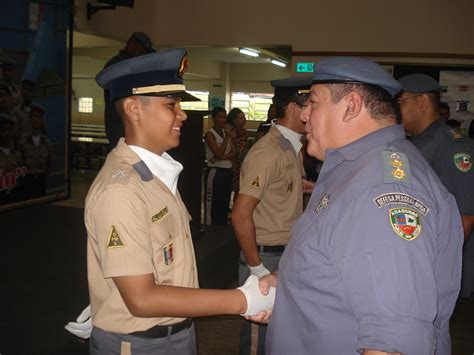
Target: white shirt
x=164 y=167
x=292 y=136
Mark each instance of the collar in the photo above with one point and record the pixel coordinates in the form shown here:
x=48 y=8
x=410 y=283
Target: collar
x=163 y=167
x=292 y=136
x=354 y=150
x=430 y=130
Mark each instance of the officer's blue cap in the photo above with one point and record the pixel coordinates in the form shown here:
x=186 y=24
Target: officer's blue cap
x=352 y=70
x=419 y=83
x=154 y=74
x=289 y=88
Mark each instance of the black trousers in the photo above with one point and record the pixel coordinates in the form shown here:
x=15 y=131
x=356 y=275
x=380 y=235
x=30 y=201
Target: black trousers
x=218 y=191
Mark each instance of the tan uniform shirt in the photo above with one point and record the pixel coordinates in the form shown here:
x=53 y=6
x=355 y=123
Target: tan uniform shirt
x=23 y=121
x=135 y=226
x=37 y=158
x=272 y=173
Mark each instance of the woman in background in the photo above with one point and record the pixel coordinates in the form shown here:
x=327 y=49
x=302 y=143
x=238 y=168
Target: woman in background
x=236 y=119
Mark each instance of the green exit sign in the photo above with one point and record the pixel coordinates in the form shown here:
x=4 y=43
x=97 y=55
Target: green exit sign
x=302 y=67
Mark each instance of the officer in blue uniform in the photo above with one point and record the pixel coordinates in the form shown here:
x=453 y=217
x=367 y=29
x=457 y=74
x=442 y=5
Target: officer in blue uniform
x=448 y=151
x=374 y=263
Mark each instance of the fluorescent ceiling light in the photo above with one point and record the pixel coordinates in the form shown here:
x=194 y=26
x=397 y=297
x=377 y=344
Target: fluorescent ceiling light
x=249 y=52
x=278 y=62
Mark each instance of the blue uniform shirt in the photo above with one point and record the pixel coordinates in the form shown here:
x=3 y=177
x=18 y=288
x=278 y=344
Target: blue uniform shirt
x=374 y=262
x=450 y=155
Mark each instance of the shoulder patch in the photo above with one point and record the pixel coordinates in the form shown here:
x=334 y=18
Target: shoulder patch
x=453 y=134
x=120 y=174
x=396 y=167
x=114 y=240
x=463 y=162
x=256 y=182
x=405 y=222
x=401 y=198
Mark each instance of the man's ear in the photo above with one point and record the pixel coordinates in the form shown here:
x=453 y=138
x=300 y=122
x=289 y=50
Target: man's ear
x=353 y=102
x=424 y=102
x=131 y=108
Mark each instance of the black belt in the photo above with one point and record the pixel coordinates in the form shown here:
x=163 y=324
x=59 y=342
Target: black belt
x=161 y=331
x=271 y=248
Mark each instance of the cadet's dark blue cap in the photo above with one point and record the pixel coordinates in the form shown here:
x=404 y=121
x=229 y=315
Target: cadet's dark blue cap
x=288 y=88
x=419 y=83
x=154 y=74
x=354 y=70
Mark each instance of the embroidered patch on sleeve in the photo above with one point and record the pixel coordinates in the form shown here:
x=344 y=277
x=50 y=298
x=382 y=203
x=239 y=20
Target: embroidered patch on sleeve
x=405 y=222
x=114 y=240
x=168 y=254
x=256 y=182
x=463 y=162
x=396 y=197
x=160 y=214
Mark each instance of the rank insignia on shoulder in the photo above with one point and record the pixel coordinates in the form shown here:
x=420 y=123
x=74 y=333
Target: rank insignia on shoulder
x=323 y=203
x=405 y=222
x=160 y=214
x=114 y=240
x=168 y=254
x=463 y=162
x=256 y=182
x=396 y=167
x=454 y=134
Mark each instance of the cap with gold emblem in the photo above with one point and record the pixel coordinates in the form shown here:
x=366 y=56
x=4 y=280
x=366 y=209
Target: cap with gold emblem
x=154 y=74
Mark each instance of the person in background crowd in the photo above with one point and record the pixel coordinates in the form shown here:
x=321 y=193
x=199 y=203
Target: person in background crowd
x=11 y=167
x=23 y=112
x=220 y=152
x=9 y=73
x=236 y=118
x=37 y=154
x=271 y=195
x=448 y=151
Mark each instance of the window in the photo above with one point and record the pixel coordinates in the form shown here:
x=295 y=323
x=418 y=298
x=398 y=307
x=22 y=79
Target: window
x=255 y=106
x=197 y=105
x=86 y=105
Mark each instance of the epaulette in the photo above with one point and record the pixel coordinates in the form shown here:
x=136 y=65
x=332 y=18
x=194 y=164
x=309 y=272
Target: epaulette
x=453 y=134
x=120 y=174
x=285 y=144
x=396 y=167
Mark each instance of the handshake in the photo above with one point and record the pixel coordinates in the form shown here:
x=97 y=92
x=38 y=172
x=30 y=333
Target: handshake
x=257 y=302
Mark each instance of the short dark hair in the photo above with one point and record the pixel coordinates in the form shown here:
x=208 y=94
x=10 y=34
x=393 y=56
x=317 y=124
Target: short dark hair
x=378 y=102
x=444 y=105
x=216 y=110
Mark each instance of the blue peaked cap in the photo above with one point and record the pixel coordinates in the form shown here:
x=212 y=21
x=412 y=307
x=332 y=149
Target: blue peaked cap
x=154 y=74
x=354 y=70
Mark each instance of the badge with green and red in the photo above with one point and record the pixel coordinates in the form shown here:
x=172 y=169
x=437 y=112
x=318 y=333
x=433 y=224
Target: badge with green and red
x=463 y=162
x=405 y=222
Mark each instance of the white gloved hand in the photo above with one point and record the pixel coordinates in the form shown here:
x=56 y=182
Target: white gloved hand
x=256 y=302
x=82 y=327
x=259 y=270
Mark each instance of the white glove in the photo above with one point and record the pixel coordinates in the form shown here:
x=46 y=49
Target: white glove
x=259 y=270
x=82 y=328
x=256 y=302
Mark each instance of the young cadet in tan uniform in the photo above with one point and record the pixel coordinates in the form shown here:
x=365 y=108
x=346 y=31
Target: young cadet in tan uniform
x=141 y=267
x=271 y=195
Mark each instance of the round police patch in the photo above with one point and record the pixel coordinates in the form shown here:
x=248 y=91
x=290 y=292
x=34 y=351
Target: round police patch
x=463 y=162
x=405 y=222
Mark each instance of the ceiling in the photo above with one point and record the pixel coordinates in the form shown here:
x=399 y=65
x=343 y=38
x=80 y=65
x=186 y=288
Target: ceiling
x=106 y=48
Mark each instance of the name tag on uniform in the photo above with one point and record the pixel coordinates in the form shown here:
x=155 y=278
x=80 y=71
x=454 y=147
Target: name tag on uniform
x=160 y=214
